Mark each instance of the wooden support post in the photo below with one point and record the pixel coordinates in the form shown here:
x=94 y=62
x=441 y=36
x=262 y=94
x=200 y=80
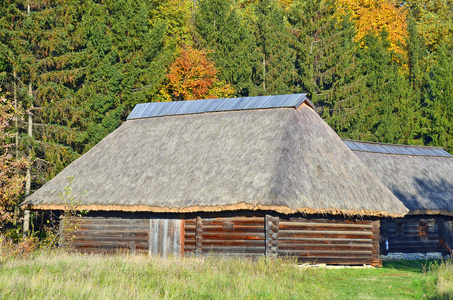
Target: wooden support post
x=377 y=262
x=271 y=233
x=199 y=237
x=182 y=239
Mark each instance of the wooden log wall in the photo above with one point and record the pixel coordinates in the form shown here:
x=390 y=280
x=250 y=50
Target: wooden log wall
x=330 y=241
x=412 y=235
x=109 y=235
x=339 y=242
x=234 y=236
x=312 y=240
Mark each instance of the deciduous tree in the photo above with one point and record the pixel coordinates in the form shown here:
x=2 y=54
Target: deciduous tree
x=375 y=16
x=11 y=169
x=192 y=76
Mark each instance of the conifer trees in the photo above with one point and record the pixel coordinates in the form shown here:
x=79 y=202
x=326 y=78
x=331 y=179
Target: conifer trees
x=377 y=69
x=221 y=30
x=274 y=71
x=325 y=50
x=438 y=98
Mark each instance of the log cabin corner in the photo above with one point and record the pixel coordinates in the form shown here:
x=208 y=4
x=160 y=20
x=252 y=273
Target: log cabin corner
x=421 y=178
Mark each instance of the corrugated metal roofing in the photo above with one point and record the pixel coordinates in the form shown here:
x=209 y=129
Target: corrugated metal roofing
x=396 y=149
x=157 y=109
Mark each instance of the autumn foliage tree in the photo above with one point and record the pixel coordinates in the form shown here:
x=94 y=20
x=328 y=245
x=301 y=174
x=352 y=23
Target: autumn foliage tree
x=377 y=15
x=11 y=179
x=192 y=76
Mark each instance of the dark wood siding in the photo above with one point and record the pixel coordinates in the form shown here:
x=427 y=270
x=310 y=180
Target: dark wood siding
x=314 y=240
x=109 y=235
x=330 y=241
x=413 y=234
x=230 y=236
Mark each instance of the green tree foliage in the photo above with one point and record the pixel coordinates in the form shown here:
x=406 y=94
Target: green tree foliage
x=274 y=71
x=125 y=64
x=417 y=53
x=221 y=30
x=438 y=98
x=79 y=67
x=434 y=21
x=88 y=63
x=325 y=51
x=387 y=109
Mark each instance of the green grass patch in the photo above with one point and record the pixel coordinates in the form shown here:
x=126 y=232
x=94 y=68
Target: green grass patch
x=62 y=275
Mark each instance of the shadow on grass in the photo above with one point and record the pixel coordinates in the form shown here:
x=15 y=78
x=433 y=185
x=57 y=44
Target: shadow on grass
x=415 y=266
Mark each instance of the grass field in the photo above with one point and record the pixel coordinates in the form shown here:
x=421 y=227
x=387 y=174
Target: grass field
x=63 y=275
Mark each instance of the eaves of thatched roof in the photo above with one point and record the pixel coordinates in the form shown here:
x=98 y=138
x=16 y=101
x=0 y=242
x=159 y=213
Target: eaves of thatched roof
x=421 y=177
x=279 y=156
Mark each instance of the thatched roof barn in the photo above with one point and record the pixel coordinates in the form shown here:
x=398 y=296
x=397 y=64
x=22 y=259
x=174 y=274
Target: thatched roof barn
x=253 y=153
x=267 y=155
x=422 y=178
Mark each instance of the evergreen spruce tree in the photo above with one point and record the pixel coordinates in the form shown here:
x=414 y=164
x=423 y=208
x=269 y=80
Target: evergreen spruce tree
x=274 y=72
x=221 y=30
x=388 y=110
x=325 y=64
x=87 y=64
x=438 y=98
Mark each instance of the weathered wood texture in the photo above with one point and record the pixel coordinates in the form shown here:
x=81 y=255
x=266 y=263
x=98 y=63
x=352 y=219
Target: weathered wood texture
x=313 y=240
x=345 y=242
x=165 y=237
x=243 y=236
x=414 y=234
x=109 y=235
x=272 y=229
x=342 y=242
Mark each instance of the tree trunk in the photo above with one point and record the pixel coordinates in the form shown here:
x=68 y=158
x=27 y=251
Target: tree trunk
x=30 y=151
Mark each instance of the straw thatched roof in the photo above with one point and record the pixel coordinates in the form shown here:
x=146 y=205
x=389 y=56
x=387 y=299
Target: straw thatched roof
x=278 y=156
x=421 y=177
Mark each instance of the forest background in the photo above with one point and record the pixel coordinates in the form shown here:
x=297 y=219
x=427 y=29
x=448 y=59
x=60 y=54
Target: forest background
x=72 y=70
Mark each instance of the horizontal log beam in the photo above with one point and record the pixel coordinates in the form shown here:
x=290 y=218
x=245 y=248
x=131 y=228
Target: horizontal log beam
x=325 y=225
x=317 y=240
x=329 y=253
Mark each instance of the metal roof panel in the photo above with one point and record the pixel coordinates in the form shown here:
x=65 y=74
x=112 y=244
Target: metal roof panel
x=157 y=109
x=396 y=149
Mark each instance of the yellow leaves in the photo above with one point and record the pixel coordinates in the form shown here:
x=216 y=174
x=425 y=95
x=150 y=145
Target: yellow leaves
x=375 y=16
x=434 y=21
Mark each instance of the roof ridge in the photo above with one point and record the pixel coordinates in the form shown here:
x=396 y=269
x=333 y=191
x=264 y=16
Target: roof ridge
x=171 y=108
x=398 y=149
x=396 y=145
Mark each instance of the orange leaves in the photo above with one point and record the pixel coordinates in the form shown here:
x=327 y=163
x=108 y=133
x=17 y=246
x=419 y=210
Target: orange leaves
x=192 y=76
x=377 y=15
